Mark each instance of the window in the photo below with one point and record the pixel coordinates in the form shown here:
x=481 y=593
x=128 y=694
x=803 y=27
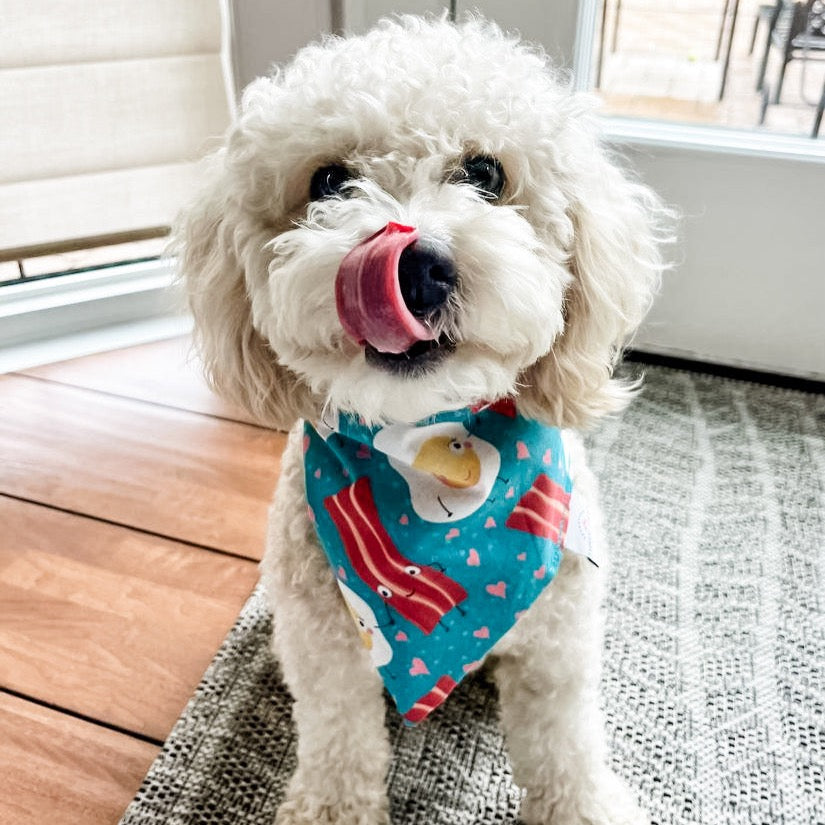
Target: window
x=734 y=63
x=105 y=109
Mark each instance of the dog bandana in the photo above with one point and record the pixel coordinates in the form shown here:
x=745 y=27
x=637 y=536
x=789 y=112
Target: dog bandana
x=441 y=534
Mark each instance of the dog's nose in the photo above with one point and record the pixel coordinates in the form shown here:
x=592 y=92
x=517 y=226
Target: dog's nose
x=427 y=276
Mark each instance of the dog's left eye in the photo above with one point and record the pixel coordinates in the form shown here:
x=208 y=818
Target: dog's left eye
x=328 y=181
x=485 y=173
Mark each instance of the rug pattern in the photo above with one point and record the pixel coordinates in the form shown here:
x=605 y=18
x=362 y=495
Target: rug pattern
x=714 y=680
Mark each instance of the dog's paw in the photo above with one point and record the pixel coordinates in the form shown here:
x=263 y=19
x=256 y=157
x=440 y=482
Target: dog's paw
x=605 y=801
x=304 y=810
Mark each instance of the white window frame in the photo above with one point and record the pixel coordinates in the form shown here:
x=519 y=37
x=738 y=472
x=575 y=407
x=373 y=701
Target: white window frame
x=54 y=318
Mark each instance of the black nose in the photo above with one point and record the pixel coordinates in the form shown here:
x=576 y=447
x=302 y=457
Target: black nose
x=426 y=276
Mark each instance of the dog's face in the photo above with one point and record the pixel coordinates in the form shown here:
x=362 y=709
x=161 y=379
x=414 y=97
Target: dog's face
x=413 y=221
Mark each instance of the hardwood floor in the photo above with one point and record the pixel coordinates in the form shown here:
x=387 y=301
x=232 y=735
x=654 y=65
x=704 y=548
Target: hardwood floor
x=132 y=512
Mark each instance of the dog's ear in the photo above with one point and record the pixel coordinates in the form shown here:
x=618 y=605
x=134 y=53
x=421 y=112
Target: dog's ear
x=619 y=226
x=239 y=364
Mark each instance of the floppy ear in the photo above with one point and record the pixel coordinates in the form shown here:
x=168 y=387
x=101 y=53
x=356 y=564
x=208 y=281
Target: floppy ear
x=615 y=260
x=239 y=364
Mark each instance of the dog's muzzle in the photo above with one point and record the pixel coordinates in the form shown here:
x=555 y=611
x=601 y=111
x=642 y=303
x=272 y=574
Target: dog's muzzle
x=389 y=286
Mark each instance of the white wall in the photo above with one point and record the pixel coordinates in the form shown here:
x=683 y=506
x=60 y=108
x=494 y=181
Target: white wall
x=549 y=22
x=552 y=23
x=750 y=287
x=271 y=31
x=359 y=15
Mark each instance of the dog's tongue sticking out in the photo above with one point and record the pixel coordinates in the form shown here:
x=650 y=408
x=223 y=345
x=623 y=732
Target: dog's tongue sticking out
x=368 y=293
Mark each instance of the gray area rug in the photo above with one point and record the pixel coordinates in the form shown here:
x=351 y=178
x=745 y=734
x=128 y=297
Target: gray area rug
x=714 y=682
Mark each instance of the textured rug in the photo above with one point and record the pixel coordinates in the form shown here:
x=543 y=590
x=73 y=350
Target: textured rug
x=714 y=683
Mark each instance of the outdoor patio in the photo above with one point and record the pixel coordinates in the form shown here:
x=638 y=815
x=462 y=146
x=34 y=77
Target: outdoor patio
x=664 y=67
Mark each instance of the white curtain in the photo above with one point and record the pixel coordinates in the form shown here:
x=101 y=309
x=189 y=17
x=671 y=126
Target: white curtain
x=105 y=105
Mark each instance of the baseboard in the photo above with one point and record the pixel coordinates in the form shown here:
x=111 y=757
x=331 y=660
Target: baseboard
x=772 y=379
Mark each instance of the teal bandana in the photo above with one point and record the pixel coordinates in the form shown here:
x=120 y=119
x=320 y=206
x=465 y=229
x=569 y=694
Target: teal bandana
x=441 y=534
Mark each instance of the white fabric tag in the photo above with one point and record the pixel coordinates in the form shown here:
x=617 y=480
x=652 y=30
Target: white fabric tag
x=578 y=538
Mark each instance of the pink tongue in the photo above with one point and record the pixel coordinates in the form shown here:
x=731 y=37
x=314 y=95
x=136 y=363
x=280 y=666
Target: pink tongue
x=368 y=294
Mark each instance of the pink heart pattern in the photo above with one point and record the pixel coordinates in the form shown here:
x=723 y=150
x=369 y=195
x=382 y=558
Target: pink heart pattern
x=498 y=589
x=482 y=633
x=452 y=533
x=472 y=558
x=401 y=636
x=540 y=573
x=522 y=452
x=418 y=667
x=405 y=519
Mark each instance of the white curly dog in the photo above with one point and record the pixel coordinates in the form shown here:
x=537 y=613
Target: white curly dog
x=535 y=257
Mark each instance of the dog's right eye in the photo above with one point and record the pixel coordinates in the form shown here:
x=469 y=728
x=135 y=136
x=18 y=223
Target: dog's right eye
x=486 y=174
x=328 y=181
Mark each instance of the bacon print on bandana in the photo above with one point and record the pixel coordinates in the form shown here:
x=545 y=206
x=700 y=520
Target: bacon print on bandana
x=431 y=700
x=422 y=595
x=543 y=510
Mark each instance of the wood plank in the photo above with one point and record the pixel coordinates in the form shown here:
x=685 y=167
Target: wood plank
x=65 y=771
x=107 y=622
x=164 y=372
x=183 y=475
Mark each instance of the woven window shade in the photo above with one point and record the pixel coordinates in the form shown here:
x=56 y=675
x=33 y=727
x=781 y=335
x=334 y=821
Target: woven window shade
x=104 y=109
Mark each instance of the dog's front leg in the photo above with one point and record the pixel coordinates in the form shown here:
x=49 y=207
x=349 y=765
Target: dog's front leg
x=343 y=750
x=343 y=747
x=547 y=671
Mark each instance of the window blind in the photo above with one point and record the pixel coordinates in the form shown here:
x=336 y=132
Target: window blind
x=105 y=108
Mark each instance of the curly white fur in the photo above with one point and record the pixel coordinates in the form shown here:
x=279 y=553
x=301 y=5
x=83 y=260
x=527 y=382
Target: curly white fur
x=552 y=279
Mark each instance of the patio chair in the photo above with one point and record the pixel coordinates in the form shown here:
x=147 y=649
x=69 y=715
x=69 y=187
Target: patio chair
x=796 y=29
x=819 y=110
x=765 y=13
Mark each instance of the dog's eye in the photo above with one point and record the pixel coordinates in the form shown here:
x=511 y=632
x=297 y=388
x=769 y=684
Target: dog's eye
x=485 y=173
x=328 y=181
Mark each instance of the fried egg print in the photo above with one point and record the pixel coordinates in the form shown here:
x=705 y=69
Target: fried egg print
x=368 y=628
x=449 y=472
